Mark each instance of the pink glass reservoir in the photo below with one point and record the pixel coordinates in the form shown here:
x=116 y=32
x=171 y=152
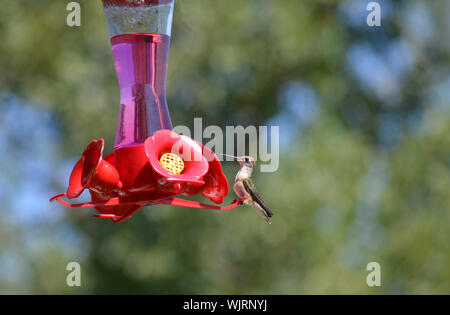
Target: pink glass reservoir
x=140 y=39
x=141 y=65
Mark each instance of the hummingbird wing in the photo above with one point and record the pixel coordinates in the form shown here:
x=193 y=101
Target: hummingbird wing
x=251 y=189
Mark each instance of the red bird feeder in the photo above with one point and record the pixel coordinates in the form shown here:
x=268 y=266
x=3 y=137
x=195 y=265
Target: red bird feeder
x=150 y=164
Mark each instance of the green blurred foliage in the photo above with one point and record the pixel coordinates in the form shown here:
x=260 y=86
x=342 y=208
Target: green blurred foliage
x=341 y=198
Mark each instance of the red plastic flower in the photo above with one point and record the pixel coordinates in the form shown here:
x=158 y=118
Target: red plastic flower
x=93 y=172
x=124 y=181
x=202 y=171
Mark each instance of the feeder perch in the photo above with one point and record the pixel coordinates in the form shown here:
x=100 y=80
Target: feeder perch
x=150 y=164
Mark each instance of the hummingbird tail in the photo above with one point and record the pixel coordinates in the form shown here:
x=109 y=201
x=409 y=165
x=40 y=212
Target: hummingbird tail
x=265 y=212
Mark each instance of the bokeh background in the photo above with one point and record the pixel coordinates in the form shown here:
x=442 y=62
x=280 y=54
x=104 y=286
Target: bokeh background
x=364 y=176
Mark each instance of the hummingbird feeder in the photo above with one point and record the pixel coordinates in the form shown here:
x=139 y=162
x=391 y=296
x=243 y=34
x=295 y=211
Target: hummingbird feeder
x=150 y=164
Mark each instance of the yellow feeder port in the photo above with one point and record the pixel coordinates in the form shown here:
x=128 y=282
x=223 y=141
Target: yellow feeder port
x=172 y=163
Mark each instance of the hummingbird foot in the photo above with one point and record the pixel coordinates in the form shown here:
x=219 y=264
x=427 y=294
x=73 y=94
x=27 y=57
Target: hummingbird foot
x=241 y=201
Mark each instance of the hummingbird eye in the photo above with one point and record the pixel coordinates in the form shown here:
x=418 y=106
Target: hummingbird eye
x=246 y=159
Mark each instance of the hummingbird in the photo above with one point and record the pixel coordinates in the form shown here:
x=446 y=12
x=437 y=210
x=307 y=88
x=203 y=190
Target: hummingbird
x=243 y=186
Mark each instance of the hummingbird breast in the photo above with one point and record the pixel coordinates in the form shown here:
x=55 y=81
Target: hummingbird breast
x=239 y=189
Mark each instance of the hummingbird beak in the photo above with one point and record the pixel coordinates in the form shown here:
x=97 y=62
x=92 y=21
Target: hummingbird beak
x=232 y=156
